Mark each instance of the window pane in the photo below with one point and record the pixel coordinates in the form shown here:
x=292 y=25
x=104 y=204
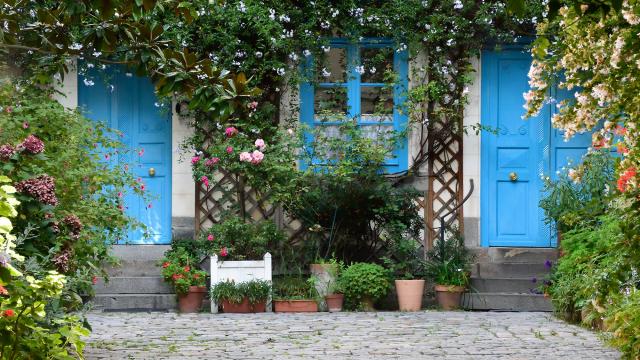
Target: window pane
x=376 y=103
x=375 y=63
x=333 y=67
x=377 y=132
x=330 y=103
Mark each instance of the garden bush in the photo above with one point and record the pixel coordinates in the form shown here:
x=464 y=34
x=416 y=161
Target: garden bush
x=362 y=281
x=70 y=210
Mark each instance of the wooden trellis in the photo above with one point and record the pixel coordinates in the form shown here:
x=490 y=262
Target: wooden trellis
x=227 y=192
x=445 y=190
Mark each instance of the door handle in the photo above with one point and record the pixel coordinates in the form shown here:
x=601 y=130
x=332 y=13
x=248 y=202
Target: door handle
x=513 y=176
x=152 y=172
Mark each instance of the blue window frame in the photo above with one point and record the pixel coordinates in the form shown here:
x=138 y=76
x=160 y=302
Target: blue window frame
x=360 y=85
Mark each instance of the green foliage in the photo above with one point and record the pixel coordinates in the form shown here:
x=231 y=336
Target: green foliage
x=362 y=281
x=255 y=290
x=448 y=263
x=347 y=201
x=181 y=270
x=404 y=259
x=580 y=194
x=72 y=236
x=623 y=320
x=243 y=241
x=294 y=288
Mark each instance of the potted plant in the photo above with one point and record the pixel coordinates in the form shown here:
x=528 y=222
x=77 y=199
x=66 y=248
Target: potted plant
x=448 y=266
x=295 y=294
x=334 y=297
x=326 y=275
x=244 y=297
x=363 y=284
x=405 y=263
x=187 y=280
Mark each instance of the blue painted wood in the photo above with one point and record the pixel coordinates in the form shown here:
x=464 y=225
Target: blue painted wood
x=510 y=215
x=128 y=103
x=354 y=85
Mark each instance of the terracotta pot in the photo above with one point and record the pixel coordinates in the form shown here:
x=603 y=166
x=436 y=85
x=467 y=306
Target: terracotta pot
x=367 y=304
x=191 y=302
x=295 y=306
x=410 y=294
x=243 y=307
x=449 y=296
x=334 y=302
x=325 y=277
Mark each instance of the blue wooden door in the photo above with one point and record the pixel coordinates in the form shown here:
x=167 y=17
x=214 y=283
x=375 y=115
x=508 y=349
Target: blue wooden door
x=128 y=103
x=516 y=156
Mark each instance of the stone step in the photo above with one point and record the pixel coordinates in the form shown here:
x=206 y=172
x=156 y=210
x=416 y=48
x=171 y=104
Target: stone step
x=137 y=260
x=505 y=285
x=509 y=270
x=135 y=302
x=515 y=255
x=506 y=302
x=133 y=285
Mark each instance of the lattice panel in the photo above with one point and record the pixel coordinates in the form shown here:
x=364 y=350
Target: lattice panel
x=223 y=196
x=445 y=180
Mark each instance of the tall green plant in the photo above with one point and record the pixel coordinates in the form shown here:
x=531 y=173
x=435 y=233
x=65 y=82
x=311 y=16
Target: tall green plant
x=449 y=262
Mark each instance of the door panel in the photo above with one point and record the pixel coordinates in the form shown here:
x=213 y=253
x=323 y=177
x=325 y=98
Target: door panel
x=128 y=103
x=513 y=157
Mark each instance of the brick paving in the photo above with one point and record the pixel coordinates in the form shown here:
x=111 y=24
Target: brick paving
x=380 y=335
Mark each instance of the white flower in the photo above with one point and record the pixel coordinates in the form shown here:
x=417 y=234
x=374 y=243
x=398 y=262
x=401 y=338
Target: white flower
x=88 y=82
x=90 y=65
x=372 y=70
x=128 y=74
x=325 y=24
x=258 y=54
x=306 y=53
x=293 y=57
x=325 y=73
x=360 y=69
x=325 y=48
x=272 y=14
x=457 y=5
x=280 y=71
x=284 y=18
x=241 y=7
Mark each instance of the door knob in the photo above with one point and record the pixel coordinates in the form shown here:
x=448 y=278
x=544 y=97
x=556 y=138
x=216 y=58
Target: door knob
x=152 y=172
x=513 y=176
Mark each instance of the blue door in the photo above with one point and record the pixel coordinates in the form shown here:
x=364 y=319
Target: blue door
x=128 y=103
x=515 y=157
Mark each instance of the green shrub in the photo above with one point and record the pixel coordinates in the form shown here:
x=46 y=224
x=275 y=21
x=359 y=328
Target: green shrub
x=448 y=263
x=362 y=281
x=623 y=321
x=294 y=288
x=404 y=259
x=255 y=290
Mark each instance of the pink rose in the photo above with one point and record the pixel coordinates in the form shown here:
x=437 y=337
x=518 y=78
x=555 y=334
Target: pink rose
x=229 y=149
x=245 y=156
x=211 y=162
x=210 y=237
x=230 y=131
x=205 y=181
x=224 y=252
x=260 y=144
x=195 y=159
x=256 y=157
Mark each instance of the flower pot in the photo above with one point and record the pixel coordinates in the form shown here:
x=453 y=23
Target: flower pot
x=410 y=294
x=243 y=307
x=191 y=302
x=334 y=302
x=295 y=306
x=367 y=304
x=448 y=296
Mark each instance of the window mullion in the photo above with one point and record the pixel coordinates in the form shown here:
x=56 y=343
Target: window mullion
x=353 y=82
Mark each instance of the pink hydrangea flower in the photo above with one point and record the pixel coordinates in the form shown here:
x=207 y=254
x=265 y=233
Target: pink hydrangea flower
x=229 y=149
x=6 y=152
x=205 y=181
x=245 y=156
x=195 y=159
x=25 y=125
x=260 y=144
x=256 y=157
x=230 y=131
x=41 y=188
x=32 y=144
x=211 y=162
x=253 y=105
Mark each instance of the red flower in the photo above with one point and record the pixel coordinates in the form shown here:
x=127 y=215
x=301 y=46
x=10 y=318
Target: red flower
x=187 y=268
x=622 y=149
x=196 y=276
x=94 y=280
x=229 y=149
x=3 y=291
x=165 y=265
x=8 y=313
x=210 y=237
x=176 y=277
x=620 y=130
x=625 y=177
x=224 y=252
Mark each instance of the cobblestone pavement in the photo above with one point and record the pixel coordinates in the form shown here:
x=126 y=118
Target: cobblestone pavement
x=382 y=335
